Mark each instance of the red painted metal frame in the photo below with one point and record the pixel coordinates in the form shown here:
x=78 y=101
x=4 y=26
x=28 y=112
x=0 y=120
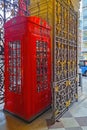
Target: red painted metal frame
x=29 y=102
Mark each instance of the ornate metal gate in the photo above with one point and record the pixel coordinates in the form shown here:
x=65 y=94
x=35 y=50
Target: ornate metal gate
x=62 y=17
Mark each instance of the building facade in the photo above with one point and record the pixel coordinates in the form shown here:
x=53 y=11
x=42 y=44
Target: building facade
x=84 y=17
x=76 y=4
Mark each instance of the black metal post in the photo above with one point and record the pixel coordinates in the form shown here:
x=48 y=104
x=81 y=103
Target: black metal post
x=4 y=11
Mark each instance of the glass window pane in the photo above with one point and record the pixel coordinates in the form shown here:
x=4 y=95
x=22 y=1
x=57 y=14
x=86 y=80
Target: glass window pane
x=14 y=66
x=85 y=23
x=84 y=2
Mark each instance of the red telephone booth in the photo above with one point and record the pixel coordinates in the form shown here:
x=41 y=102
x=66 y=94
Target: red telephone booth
x=27 y=67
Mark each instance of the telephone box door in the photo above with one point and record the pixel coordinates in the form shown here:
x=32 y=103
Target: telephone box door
x=13 y=74
x=41 y=72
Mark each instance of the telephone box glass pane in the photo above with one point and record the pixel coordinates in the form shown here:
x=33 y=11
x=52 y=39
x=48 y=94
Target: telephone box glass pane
x=42 y=65
x=15 y=66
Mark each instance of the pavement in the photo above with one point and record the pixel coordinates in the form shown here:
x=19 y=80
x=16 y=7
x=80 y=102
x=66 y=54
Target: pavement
x=74 y=119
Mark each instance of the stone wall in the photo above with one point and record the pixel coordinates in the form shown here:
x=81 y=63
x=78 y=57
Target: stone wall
x=76 y=4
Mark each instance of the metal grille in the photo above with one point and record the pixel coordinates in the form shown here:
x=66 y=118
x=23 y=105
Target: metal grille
x=65 y=49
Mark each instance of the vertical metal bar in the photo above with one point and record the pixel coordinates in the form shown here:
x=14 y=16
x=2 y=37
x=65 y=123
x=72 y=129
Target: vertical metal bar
x=77 y=53
x=27 y=4
x=4 y=13
x=53 y=65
